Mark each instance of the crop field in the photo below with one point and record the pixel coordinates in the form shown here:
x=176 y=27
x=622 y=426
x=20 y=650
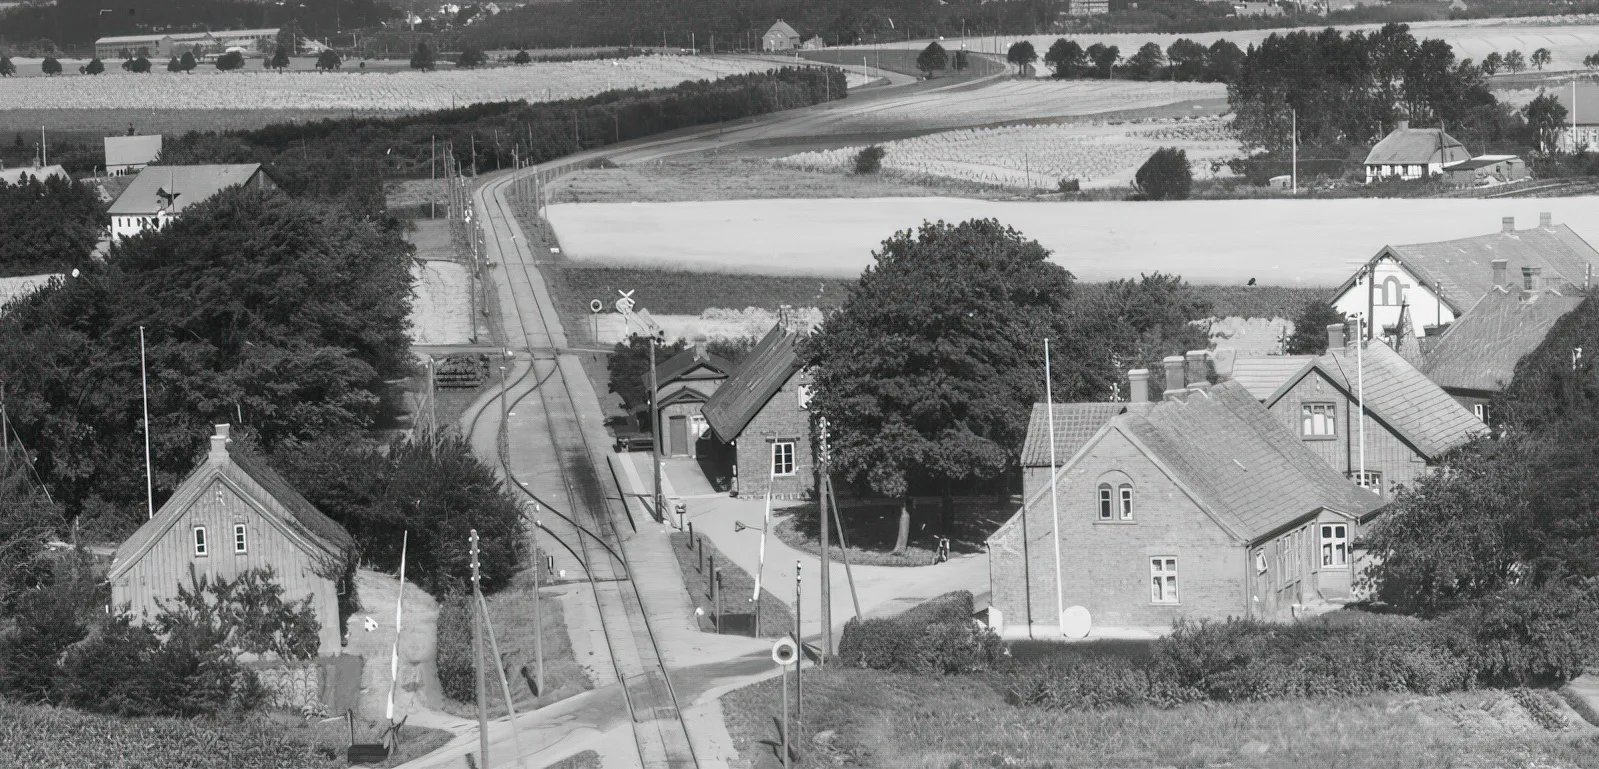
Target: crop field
x=1022 y=100
x=1568 y=38
x=364 y=92
x=1037 y=156
x=1277 y=242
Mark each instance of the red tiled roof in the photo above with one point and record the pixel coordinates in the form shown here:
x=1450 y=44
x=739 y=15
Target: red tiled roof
x=1075 y=423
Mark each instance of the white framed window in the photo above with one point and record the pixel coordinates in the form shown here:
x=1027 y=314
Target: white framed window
x=1481 y=410
x=1318 y=420
x=1260 y=562
x=783 y=458
x=1107 y=503
x=1125 y=493
x=1334 y=546
x=240 y=545
x=1163 y=580
x=199 y=541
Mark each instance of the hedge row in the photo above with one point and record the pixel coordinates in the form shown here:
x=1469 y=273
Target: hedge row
x=936 y=637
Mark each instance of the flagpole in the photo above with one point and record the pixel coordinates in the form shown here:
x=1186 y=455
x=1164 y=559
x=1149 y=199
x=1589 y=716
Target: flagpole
x=144 y=385
x=1054 y=505
x=1360 y=375
x=399 y=609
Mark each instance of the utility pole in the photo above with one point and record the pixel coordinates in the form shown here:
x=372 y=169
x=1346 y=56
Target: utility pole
x=799 y=641
x=1054 y=506
x=538 y=617
x=827 y=542
x=144 y=383
x=655 y=427
x=1294 y=140
x=433 y=175
x=477 y=656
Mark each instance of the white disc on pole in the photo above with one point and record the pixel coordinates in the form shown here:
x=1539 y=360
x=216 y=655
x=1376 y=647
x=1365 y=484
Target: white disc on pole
x=1075 y=622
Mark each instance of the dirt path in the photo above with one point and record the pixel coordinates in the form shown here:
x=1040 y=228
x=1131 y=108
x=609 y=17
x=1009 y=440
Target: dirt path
x=417 y=694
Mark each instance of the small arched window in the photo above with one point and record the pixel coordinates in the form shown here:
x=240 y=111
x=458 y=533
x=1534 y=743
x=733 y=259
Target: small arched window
x=1106 y=502
x=1126 y=498
x=1392 y=294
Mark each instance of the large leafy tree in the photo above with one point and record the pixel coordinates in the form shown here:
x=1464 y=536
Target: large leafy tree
x=1147 y=62
x=1188 y=59
x=1065 y=57
x=7 y=69
x=50 y=66
x=423 y=58
x=1310 y=328
x=328 y=60
x=49 y=226
x=1165 y=175
x=927 y=372
x=1104 y=58
x=1545 y=116
x=1021 y=54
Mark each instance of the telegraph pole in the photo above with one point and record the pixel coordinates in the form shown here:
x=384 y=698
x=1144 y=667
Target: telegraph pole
x=655 y=427
x=477 y=656
x=1294 y=137
x=827 y=542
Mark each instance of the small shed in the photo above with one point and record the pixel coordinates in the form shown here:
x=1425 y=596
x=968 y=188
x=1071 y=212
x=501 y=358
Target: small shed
x=1282 y=182
x=1486 y=170
x=685 y=382
x=231 y=515
x=814 y=44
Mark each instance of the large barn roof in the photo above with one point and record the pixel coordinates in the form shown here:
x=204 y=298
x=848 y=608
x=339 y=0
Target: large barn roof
x=193 y=184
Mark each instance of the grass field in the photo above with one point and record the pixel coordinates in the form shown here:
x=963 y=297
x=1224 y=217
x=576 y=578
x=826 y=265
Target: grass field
x=40 y=737
x=710 y=177
x=1018 y=100
x=441 y=307
x=901 y=61
x=1276 y=242
x=860 y=717
x=363 y=91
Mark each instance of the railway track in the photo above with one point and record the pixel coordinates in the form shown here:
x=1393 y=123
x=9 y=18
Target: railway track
x=580 y=515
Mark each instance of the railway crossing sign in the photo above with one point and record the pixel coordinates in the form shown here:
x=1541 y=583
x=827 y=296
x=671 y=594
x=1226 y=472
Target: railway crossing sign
x=596 y=306
x=784 y=651
x=625 y=304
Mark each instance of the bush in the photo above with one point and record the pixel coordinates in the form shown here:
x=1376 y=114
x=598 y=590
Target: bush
x=938 y=637
x=1070 y=185
x=1165 y=176
x=1526 y=636
x=869 y=160
x=457 y=676
x=230 y=61
x=29 y=651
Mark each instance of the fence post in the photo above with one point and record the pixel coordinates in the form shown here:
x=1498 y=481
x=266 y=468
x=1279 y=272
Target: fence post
x=691 y=535
x=716 y=591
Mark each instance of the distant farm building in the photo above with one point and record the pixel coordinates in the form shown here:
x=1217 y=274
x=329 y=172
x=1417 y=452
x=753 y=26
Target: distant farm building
x=1257 y=9
x=685 y=382
x=231 y=515
x=1434 y=283
x=159 y=193
x=761 y=418
x=1581 y=128
x=39 y=173
x=177 y=43
x=125 y=154
x=814 y=44
x=1088 y=7
x=781 y=37
x=1486 y=170
x=1413 y=153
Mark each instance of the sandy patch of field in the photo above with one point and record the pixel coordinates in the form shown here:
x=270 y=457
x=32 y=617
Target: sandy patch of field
x=1039 y=156
x=441 y=309
x=207 y=88
x=1277 y=242
x=1250 y=336
x=1016 y=100
x=1568 y=38
x=713 y=324
x=20 y=286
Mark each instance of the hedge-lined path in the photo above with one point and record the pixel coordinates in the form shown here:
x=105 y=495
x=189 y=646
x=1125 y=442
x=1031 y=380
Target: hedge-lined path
x=417 y=693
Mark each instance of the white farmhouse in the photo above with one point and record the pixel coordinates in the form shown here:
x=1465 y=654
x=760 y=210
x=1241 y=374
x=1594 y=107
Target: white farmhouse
x=1413 y=153
x=1432 y=284
x=159 y=193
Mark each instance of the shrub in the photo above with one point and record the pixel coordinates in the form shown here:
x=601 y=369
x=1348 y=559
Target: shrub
x=470 y=57
x=457 y=676
x=1530 y=636
x=94 y=67
x=1070 y=185
x=522 y=57
x=28 y=652
x=869 y=160
x=230 y=61
x=938 y=637
x=1165 y=176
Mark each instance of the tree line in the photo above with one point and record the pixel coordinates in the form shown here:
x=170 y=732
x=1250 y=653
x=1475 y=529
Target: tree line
x=76 y=24
x=50 y=226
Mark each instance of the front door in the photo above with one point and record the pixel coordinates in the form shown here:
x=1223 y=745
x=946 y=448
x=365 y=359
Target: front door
x=677 y=436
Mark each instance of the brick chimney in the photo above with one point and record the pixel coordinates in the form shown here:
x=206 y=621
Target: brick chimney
x=1529 y=278
x=1507 y=224
x=1546 y=219
x=219 y=446
x=1174 y=375
x=1194 y=368
x=1501 y=266
x=1335 y=336
x=1139 y=379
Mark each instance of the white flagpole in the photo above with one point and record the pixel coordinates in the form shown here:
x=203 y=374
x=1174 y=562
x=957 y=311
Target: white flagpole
x=144 y=385
x=766 y=523
x=1360 y=375
x=399 y=613
x=1054 y=505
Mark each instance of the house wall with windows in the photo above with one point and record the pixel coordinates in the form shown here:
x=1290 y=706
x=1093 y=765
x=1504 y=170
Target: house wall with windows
x=682 y=424
x=779 y=436
x=1334 y=436
x=1383 y=290
x=1107 y=562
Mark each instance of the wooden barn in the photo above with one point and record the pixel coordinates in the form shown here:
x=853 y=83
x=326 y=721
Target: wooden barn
x=233 y=514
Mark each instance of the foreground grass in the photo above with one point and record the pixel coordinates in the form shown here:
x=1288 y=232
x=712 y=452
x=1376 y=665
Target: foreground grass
x=41 y=737
x=860 y=717
x=510 y=611
x=738 y=611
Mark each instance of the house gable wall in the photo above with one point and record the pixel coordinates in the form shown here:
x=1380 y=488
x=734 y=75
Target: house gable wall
x=1425 y=308
x=781 y=419
x=1105 y=566
x=1385 y=451
x=157 y=574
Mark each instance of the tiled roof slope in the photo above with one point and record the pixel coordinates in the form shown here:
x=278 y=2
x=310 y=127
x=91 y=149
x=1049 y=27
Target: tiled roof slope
x=759 y=376
x=1417 y=146
x=676 y=366
x=1239 y=459
x=1262 y=375
x=1401 y=396
x=782 y=27
x=1480 y=351
x=1075 y=423
x=1462 y=270
x=132 y=150
x=193 y=184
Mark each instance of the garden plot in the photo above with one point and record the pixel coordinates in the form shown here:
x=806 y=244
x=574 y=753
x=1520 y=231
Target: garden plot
x=1038 y=156
x=1019 y=100
x=441 y=308
x=1279 y=242
x=207 y=88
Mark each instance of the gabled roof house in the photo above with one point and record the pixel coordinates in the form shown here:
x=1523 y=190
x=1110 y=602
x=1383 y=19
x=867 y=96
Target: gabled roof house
x=1413 y=153
x=1437 y=282
x=233 y=514
x=159 y=193
x=762 y=412
x=1199 y=504
x=781 y=37
x=685 y=382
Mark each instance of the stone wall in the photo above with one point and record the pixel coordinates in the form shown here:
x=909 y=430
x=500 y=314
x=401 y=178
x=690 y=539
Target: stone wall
x=320 y=686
